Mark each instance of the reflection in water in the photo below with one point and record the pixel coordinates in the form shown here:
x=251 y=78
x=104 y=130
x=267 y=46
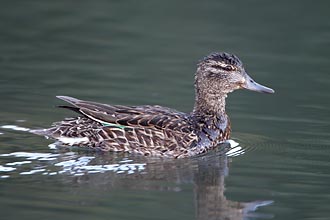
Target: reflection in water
x=211 y=202
x=109 y=171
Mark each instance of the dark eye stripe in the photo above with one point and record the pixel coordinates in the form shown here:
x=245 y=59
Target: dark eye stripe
x=227 y=68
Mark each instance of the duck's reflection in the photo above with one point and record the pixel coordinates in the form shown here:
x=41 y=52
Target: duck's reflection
x=206 y=173
x=211 y=202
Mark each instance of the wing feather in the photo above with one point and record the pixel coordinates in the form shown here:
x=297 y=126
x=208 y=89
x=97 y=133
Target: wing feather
x=135 y=116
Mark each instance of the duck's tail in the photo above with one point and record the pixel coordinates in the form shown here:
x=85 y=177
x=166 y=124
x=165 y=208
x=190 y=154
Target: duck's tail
x=72 y=131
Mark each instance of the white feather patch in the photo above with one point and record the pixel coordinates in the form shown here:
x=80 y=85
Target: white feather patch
x=73 y=140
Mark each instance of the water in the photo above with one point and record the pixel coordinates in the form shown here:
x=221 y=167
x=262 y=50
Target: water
x=132 y=53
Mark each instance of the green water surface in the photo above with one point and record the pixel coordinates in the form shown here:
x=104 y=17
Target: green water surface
x=145 y=52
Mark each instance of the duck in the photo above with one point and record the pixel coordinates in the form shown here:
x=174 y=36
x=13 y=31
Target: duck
x=153 y=130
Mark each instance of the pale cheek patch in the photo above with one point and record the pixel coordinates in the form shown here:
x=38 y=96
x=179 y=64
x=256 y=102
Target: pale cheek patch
x=236 y=78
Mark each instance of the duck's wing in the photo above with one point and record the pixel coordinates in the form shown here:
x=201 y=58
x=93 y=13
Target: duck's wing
x=133 y=116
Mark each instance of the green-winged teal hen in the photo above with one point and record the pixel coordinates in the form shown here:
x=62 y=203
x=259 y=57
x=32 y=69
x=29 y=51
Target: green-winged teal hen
x=155 y=130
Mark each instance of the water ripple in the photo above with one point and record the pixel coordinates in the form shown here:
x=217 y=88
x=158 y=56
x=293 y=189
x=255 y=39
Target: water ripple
x=67 y=163
x=32 y=156
x=75 y=164
x=15 y=128
x=6 y=169
x=236 y=149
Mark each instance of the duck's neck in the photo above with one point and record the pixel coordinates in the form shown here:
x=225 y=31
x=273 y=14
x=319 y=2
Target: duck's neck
x=207 y=103
x=211 y=121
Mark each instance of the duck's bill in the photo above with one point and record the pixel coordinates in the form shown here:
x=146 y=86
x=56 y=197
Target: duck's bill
x=250 y=84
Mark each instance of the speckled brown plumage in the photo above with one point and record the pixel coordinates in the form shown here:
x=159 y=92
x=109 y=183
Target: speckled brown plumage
x=155 y=130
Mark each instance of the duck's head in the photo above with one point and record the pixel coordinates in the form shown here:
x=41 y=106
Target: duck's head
x=222 y=73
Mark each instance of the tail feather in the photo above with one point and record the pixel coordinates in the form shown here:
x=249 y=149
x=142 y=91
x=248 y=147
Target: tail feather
x=69 y=99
